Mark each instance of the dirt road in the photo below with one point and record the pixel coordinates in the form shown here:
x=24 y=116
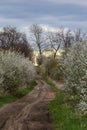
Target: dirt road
x=30 y=112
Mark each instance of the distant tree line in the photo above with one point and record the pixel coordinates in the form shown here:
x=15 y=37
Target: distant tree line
x=11 y=38
x=55 y=40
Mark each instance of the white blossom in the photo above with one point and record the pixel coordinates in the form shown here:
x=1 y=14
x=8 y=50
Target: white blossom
x=75 y=71
x=15 y=70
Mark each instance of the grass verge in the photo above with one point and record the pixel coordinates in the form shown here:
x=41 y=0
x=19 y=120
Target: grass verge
x=11 y=98
x=64 y=116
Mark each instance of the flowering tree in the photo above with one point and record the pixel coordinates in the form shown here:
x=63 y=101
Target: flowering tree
x=15 y=71
x=75 y=72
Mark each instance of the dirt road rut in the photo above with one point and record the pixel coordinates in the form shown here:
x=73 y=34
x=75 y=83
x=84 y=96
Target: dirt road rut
x=30 y=112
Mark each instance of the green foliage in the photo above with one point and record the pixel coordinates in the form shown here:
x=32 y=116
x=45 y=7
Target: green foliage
x=50 y=83
x=37 y=68
x=53 y=68
x=48 y=66
x=64 y=116
x=41 y=59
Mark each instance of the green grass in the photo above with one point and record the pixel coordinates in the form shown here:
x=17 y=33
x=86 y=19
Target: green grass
x=11 y=98
x=64 y=116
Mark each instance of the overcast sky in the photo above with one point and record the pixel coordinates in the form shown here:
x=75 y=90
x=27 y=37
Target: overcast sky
x=51 y=13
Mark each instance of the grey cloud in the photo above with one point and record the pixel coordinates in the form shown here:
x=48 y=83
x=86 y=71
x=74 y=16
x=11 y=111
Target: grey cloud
x=49 y=12
x=75 y=2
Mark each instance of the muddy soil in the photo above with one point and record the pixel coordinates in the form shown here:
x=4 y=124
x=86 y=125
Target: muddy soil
x=30 y=112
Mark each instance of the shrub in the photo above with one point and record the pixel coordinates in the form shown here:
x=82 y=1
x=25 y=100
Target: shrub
x=53 y=68
x=15 y=71
x=75 y=72
x=40 y=59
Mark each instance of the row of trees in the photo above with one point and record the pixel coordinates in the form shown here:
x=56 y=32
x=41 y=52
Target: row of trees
x=11 y=38
x=55 y=40
x=16 y=70
x=74 y=68
x=71 y=67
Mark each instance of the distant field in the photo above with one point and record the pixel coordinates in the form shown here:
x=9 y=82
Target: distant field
x=45 y=53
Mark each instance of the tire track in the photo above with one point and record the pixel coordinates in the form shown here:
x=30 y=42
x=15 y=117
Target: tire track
x=30 y=112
